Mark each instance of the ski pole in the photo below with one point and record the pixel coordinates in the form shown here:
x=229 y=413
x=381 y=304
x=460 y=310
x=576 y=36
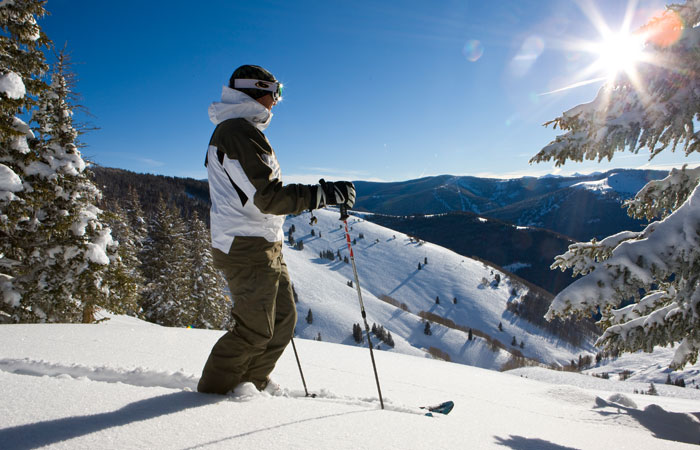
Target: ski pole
x=344 y=217
x=301 y=372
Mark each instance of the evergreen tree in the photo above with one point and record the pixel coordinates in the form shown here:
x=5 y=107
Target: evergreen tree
x=166 y=266
x=357 y=333
x=212 y=305
x=310 y=317
x=136 y=218
x=470 y=335
x=437 y=300
x=55 y=247
x=652 y=390
x=390 y=340
x=654 y=109
x=22 y=67
x=427 y=330
x=124 y=273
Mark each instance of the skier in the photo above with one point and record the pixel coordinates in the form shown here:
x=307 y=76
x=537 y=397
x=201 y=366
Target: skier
x=248 y=205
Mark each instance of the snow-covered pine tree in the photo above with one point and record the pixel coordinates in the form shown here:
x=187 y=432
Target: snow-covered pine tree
x=212 y=304
x=124 y=273
x=655 y=110
x=80 y=244
x=22 y=67
x=167 y=299
x=56 y=248
x=136 y=218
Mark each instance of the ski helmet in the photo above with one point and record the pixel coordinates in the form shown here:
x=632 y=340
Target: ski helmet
x=255 y=82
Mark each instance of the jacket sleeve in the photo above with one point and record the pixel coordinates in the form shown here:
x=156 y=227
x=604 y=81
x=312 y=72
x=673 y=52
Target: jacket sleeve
x=257 y=159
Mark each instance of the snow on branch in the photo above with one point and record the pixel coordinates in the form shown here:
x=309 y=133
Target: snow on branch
x=666 y=253
x=659 y=197
x=654 y=110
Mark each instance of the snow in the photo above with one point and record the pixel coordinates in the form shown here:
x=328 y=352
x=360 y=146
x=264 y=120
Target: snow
x=19 y=143
x=87 y=216
x=9 y=182
x=667 y=247
x=647 y=367
x=97 y=251
x=9 y=295
x=597 y=185
x=387 y=263
x=625 y=182
x=11 y=85
x=125 y=383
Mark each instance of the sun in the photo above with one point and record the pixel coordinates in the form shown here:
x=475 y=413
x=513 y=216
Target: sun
x=619 y=52
x=614 y=53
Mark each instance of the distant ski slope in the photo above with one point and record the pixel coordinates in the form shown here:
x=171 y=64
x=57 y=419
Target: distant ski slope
x=387 y=263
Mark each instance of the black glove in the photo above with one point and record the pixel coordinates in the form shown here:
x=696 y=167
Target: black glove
x=335 y=193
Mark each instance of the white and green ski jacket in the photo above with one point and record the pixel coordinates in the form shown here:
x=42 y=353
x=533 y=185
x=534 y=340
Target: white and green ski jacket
x=248 y=197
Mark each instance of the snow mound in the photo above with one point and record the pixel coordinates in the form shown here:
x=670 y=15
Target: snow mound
x=11 y=85
x=623 y=400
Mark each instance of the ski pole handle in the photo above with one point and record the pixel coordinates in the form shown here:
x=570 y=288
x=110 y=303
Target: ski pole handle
x=344 y=212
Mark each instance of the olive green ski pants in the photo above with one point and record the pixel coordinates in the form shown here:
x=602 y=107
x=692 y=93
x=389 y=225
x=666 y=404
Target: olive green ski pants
x=263 y=312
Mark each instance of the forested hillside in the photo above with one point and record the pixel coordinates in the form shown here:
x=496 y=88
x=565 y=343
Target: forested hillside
x=187 y=194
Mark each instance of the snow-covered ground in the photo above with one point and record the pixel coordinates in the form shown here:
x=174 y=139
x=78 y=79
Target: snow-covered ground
x=388 y=265
x=125 y=383
x=626 y=183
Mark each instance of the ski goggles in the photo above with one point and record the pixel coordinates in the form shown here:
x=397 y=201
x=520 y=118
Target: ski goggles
x=272 y=86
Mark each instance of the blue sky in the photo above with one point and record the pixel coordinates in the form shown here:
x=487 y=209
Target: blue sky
x=373 y=90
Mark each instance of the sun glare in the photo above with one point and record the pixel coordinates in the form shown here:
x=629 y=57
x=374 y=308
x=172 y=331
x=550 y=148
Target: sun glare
x=622 y=52
x=619 y=52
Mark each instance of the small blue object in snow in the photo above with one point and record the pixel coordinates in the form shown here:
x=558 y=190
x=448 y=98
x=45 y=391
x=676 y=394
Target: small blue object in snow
x=442 y=408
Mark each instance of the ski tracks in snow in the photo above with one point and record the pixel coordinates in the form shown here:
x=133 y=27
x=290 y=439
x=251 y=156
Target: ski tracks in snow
x=178 y=380
x=135 y=377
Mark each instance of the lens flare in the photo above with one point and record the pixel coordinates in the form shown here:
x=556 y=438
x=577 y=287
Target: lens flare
x=530 y=50
x=473 y=50
x=664 y=29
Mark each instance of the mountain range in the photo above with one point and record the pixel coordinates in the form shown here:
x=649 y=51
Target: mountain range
x=580 y=207
x=519 y=225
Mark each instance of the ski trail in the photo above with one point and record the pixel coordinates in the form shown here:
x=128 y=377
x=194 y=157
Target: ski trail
x=325 y=395
x=179 y=380
x=135 y=377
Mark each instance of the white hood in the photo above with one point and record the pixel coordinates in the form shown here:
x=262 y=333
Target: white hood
x=235 y=104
